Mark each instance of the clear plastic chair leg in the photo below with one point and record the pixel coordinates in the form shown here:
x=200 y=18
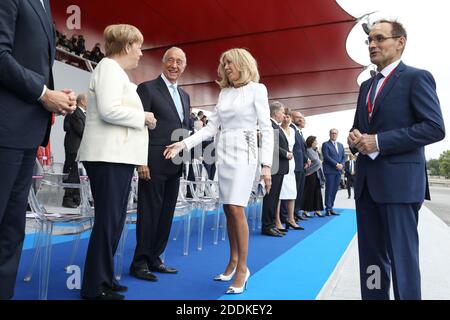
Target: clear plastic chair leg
x=201 y=227
x=216 y=227
x=187 y=232
x=37 y=249
x=76 y=242
x=45 y=257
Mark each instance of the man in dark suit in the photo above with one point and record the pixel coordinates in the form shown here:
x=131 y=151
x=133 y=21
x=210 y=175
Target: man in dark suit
x=397 y=114
x=159 y=181
x=27 y=52
x=75 y=133
x=350 y=173
x=280 y=167
x=333 y=164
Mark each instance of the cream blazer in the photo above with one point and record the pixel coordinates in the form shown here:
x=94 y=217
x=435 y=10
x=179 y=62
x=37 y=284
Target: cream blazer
x=115 y=128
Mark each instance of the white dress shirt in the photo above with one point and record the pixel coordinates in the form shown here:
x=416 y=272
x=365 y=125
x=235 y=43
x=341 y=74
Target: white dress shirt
x=386 y=71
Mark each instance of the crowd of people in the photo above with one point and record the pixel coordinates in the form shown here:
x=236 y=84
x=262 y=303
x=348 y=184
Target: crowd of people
x=255 y=140
x=76 y=45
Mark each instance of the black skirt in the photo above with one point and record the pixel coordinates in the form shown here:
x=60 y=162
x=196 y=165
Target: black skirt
x=312 y=195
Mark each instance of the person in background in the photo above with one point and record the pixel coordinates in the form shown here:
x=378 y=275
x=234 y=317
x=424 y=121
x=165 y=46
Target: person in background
x=350 y=173
x=77 y=121
x=333 y=164
x=288 y=192
x=312 y=197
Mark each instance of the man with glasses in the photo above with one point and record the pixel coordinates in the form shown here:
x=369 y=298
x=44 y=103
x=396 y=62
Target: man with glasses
x=333 y=163
x=397 y=114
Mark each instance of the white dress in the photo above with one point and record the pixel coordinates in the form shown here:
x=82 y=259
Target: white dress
x=289 y=187
x=237 y=115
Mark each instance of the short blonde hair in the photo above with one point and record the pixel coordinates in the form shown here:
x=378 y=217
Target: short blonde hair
x=245 y=64
x=118 y=36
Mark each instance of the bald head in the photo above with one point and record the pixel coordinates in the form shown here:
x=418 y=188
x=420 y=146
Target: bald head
x=82 y=101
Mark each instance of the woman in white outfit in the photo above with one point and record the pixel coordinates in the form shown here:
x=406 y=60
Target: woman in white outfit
x=115 y=140
x=289 y=186
x=243 y=104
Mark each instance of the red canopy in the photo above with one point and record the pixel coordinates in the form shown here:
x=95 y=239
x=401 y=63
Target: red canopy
x=299 y=44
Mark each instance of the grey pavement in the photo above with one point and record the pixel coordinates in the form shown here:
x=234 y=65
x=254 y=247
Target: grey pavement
x=434 y=235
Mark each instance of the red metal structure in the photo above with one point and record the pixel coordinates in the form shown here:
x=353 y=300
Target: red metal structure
x=299 y=44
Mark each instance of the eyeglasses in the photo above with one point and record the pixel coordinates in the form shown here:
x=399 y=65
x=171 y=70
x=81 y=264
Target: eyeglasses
x=378 y=39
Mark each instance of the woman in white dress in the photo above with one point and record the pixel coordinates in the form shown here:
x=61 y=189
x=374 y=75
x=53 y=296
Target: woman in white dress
x=289 y=186
x=243 y=104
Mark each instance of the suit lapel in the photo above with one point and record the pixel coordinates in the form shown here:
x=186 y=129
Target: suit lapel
x=388 y=86
x=364 y=113
x=166 y=94
x=45 y=18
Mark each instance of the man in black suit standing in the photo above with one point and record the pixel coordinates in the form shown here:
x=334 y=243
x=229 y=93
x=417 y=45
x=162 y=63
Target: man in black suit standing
x=27 y=52
x=159 y=181
x=75 y=133
x=281 y=156
x=350 y=173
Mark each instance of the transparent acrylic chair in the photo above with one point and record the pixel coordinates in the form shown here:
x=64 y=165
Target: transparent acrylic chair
x=53 y=219
x=255 y=205
x=205 y=195
x=183 y=210
x=130 y=219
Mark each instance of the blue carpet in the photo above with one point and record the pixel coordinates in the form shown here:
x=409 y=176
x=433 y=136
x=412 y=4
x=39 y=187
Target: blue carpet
x=293 y=267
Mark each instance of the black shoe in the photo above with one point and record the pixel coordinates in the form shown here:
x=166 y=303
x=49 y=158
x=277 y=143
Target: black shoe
x=119 y=288
x=334 y=213
x=317 y=213
x=290 y=225
x=143 y=274
x=163 y=269
x=105 y=295
x=69 y=204
x=328 y=213
x=300 y=217
x=306 y=214
x=271 y=232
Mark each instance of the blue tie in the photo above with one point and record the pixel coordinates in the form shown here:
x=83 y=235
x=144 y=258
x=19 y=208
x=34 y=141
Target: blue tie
x=177 y=101
x=374 y=88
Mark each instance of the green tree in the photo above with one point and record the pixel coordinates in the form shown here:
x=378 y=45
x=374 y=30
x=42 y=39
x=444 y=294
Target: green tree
x=444 y=164
x=433 y=166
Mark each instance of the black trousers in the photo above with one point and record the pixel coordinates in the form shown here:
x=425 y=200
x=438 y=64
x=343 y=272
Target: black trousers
x=73 y=177
x=110 y=185
x=350 y=182
x=270 y=202
x=17 y=170
x=300 y=181
x=157 y=199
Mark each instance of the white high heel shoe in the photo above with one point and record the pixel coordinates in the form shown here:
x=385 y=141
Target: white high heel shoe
x=238 y=290
x=222 y=277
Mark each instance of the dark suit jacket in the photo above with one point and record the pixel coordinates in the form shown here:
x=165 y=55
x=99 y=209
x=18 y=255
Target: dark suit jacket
x=280 y=153
x=331 y=158
x=156 y=98
x=299 y=151
x=76 y=122
x=27 y=52
x=406 y=117
x=347 y=170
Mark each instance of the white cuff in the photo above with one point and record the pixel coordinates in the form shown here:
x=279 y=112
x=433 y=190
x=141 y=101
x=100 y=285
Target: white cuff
x=375 y=154
x=43 y=92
